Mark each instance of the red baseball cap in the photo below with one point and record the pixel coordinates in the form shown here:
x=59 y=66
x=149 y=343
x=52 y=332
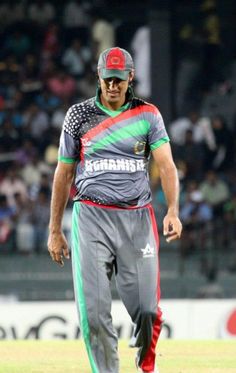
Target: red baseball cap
x=115 y=62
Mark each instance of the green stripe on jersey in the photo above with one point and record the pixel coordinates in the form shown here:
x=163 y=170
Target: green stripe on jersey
x=160 y=142
x=66 y=160
x=138 y=128
x=78 y=284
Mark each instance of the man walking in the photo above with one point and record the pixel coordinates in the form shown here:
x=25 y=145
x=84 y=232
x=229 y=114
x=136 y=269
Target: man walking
x=105 y=143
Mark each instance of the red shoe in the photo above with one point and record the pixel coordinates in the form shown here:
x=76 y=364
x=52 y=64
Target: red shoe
x=145 y=371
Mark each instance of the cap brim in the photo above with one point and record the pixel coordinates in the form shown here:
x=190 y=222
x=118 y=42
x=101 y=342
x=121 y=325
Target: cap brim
x=109 y=73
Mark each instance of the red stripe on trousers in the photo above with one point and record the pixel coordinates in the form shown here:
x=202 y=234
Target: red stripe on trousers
x=148 y=363
x=88 y=202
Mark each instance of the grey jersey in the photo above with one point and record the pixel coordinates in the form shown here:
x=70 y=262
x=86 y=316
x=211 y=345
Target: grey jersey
x=112 y=149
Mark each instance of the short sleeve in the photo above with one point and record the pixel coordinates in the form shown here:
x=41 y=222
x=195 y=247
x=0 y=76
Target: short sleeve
x=157 y=132
x=69 y=144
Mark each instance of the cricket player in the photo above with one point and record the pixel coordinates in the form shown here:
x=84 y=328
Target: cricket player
x=105 y=145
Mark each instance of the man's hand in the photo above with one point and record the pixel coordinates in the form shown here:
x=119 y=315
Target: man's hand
x=172 y=227
x=58 y=247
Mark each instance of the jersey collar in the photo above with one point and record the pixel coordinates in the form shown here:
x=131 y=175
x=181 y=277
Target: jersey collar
x=112 y=113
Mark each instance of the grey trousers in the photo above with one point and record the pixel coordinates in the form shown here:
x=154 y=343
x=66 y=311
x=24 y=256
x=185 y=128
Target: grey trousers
x=105 y=239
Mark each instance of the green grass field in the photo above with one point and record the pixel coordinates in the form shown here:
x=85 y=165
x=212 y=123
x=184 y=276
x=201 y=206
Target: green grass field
x=70 y=357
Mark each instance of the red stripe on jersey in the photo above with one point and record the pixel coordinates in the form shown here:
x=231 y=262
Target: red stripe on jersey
x=122 y=116
x=148 y=363
x=112 y=121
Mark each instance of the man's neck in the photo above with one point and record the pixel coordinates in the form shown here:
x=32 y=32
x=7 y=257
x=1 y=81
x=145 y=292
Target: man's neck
x=112 y=105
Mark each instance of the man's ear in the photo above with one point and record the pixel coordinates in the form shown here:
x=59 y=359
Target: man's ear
x=131 y=76
x=98 y=74
x=98 y=78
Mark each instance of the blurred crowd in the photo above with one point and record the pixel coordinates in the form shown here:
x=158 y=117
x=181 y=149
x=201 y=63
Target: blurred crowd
x=48 y=58
x=204 y=149
x=203 y=133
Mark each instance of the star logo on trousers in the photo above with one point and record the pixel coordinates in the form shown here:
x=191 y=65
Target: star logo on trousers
x=148 y=251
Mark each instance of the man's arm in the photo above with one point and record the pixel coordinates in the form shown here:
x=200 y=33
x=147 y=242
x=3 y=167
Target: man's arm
x=63 y=178
x=172 y=226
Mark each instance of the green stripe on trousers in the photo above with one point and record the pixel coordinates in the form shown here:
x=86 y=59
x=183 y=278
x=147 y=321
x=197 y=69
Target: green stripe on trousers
x=78 y=286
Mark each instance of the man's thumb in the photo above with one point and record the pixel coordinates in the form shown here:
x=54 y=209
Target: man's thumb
x=66 y=253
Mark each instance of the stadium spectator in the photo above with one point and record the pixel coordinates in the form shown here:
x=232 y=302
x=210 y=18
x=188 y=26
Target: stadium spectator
x=195 y=213
x=62 y=85
x=9 y=137
x=41 y=12
x=230 y=177
x=76 y=20
x=36 y=122
x=87 y=85
x=215 y=192
x=9 y=74
x=17 y=43
x=202 y=134
x=142 y=60
x=51 y=151
x=75 y=15
x=26 y=152
x=2 y=103
x=49 y=68
x=18 y=12
x=47 y=101
x=7 y=214
x=75 y=58
x=6 y=211
x=58 y=116
x=32 y=171
x=192 y=155
x=51 y=45
x=23 y=224
x=229 y=231
x=29 y=78
x=201 y=127
x=12 y=184
x=102 y=33
x=15 y=106
x=222 y=158
x=5 y=14
x=44 y=184
x=40 y=219
x=212 y=64
x=188 y=54
x=11 y=13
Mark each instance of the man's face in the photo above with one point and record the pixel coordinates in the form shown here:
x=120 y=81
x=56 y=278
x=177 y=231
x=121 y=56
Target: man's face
x=114 y=90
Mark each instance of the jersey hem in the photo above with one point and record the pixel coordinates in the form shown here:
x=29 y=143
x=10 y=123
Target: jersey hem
x=87 y=202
